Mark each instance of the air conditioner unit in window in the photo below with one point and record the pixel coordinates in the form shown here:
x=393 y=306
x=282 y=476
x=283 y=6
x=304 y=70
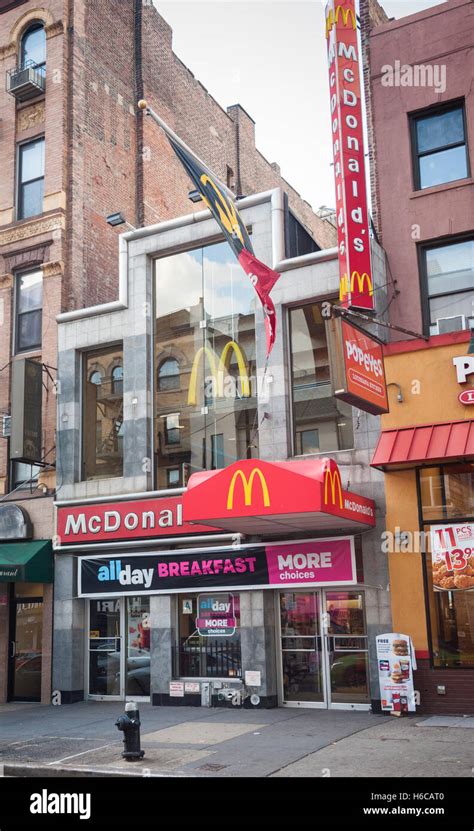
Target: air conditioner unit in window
x=450 y=324
x=5 y=426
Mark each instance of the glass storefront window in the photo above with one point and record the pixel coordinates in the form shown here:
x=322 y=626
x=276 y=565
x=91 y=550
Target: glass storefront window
x=447 y=494
x=321 y=422
x=201 y=650
x=205 y=400
x=447 y=491
x=103 y=414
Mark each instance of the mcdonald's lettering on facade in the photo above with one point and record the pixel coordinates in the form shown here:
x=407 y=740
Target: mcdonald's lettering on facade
x=247 y=485
x=356 y=290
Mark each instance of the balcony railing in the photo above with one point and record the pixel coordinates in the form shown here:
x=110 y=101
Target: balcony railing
x=27 y=81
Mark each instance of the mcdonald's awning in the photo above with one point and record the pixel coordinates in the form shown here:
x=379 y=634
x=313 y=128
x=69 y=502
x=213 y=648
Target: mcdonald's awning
x=257 y=497
x=427 y=444
x=26 y=562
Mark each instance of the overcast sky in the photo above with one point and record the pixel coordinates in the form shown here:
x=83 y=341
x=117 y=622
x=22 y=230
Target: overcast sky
x=270 y=57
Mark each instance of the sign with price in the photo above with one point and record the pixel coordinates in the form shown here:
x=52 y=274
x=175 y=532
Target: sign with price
x=452 y=551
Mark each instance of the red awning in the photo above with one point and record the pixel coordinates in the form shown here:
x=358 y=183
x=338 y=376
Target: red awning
x=427 y=444
x=258 y=497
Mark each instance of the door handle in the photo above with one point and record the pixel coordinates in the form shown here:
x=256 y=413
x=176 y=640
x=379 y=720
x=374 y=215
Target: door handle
x=118 y=642
x=13 y=649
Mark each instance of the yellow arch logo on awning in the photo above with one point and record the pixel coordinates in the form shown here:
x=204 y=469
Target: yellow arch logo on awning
x=248 y=487
x=332 y=483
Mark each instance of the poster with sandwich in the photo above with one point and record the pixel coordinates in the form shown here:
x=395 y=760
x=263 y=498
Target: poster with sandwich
x=396 y=662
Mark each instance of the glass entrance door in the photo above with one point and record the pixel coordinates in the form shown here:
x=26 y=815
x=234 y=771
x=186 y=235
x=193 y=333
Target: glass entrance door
x=324 y=659
x=119 y=647
x=301 y=648
x=26 y=649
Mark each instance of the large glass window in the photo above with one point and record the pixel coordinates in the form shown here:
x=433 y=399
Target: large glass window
x=103 y=413
x=202 y=651
x=29 y=303
x=205 y=402
x=449 y=279
x=447 y=504
x=33 y=47
x=440 y=147
x=321 y=422
x=30 y=178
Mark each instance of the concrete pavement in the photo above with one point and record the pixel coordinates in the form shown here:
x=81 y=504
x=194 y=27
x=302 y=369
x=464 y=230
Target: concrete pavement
x=189 y=741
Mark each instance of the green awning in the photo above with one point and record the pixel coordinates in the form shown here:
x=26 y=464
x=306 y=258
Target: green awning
x=26 y=562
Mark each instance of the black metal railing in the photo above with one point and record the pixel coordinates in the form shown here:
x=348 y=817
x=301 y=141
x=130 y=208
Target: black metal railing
x=207 y=659
x=26 y=81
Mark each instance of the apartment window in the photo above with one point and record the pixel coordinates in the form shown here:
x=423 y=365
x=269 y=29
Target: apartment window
x=29 y=302
x=173 y=475
x=217 y=451
x=30 y=178
x=448 y=275
x=103 y=413
x=172 y=429
x=33 y=47
x=168 y=375
x=439 y=146
x=321 y=422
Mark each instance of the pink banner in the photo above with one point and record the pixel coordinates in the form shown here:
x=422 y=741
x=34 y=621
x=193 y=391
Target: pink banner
x=324 y=562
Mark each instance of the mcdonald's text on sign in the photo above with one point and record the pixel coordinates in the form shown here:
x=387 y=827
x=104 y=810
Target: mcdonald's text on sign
x=355 y=273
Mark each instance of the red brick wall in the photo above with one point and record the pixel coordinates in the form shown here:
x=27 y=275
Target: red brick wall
x=459 y=683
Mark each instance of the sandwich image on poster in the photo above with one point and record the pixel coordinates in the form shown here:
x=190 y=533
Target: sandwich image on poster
x=396 y=662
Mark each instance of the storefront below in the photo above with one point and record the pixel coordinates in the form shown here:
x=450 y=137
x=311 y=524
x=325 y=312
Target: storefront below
x=26 y=577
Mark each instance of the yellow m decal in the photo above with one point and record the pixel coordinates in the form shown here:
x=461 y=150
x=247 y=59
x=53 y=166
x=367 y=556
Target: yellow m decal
x=332 y=479
x=248 y=487
x=204 y=352
x=224 y=365
x=333 y=18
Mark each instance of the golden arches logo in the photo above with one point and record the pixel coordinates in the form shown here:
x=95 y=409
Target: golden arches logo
x=340 y=11
x=248 y=487
x=218 y=369
x=361 y=279
x=332 y=480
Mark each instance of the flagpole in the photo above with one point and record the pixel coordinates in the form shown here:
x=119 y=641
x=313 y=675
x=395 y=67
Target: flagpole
x=142 y=105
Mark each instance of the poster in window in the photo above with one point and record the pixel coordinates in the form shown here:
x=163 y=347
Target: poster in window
x=452 y=554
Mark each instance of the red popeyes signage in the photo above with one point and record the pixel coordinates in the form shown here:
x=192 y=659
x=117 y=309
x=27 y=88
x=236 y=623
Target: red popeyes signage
x=135 y=519
x=364 y=370
x=355 y=274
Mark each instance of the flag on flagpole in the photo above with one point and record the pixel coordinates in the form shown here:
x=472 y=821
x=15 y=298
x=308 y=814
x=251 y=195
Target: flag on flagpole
x=220 y=202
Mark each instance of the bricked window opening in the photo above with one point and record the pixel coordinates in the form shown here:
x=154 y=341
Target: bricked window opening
x=30 y=178
x=33 y=47
x=102 y=434
x=29 y=310
x=439 y=146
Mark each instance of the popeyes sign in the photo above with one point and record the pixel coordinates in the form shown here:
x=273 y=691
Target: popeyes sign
x=464 y=366
x=357 y=367
x=355 y=273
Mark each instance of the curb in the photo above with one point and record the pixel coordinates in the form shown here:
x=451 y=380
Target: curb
x=46 y=771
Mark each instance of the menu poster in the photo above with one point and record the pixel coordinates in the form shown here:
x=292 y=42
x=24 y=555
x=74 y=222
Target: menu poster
x=396 y=662
x=452 y=553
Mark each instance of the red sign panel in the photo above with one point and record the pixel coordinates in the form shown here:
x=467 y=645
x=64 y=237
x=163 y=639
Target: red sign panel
x=364 y=370
x=137 y=519
x=466 y=397
x=356 y=285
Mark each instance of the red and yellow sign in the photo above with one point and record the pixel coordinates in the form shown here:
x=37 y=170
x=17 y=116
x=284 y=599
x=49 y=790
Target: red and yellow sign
x=257 y=496
x=356 y=283
x=357 y=367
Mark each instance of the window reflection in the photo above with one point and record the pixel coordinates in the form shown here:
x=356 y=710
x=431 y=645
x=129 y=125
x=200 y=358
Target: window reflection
x=321 y=422
x=103 y=414
x=205 y=402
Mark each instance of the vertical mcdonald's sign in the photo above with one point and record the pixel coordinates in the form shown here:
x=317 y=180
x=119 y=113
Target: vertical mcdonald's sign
x=355 y=274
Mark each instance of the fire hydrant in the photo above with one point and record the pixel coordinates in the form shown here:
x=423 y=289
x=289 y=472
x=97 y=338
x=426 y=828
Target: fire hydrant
x=130 y=725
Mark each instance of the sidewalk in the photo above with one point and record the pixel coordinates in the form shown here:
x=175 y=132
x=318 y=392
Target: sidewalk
x=190 y=741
